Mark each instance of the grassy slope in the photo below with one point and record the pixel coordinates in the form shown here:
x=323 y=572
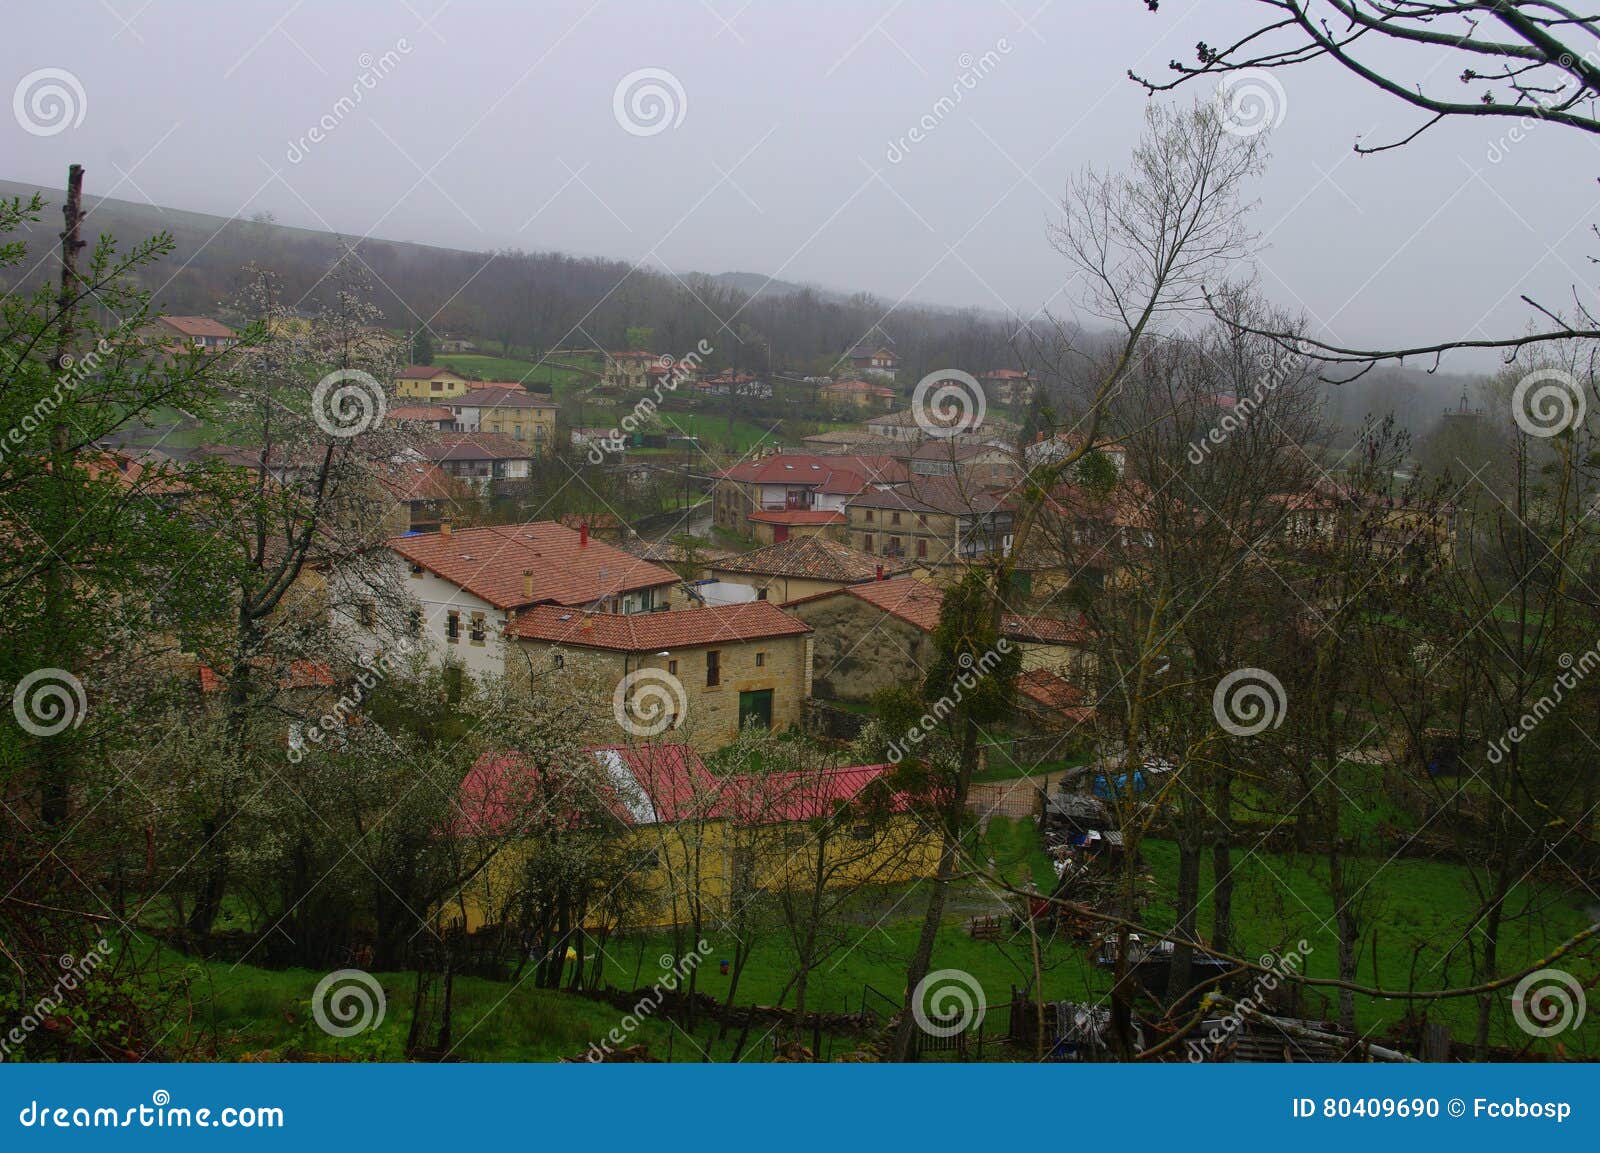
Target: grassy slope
x=1279 y=901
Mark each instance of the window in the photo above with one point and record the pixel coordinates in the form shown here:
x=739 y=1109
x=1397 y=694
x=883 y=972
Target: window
x=869 y=516
x=922 y=547
x=367 y=613
x=414 y=622
x=922 y=520
x=866 y=543
x=646 y=861
x=761 y=660
x=761 y=594
x=861 y=832
x=713 y=668
x=416 y=570
x=452 y=627
x=479 y=632
x=561 y=660
x=894 y=518
x=672 y=668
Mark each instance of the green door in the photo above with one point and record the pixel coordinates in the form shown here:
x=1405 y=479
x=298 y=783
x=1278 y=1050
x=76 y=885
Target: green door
x=756 y=705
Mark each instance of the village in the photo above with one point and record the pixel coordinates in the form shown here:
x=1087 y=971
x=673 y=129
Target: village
x=759 y=558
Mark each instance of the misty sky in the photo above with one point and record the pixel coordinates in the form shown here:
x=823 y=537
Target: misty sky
x=494 y=126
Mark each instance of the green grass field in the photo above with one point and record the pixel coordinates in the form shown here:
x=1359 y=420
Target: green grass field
x=1417 y=909
x=547 y=375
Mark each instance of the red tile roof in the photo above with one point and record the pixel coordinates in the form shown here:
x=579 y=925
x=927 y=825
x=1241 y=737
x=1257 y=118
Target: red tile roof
x=490 y=564
x=811 y=557
x=936 y=494
x=417 y=480
x=1050 y=690
x=841 y=473
x=1004 y=374
x=474 y=446
x=198 y=326
x=302 y=674
x=430 y=413
x=800 y=516
x=424 y=371
x=859 y=386
x=917 y=603
x=498 y=395
x=653 y=632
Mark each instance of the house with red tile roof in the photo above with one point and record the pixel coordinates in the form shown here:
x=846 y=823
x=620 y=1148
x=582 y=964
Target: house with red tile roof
x=786 y=494
x=429 y=382
x=1008 y=386
x=874 y=360
x=880 y=634
x=468 y=584
x=509 y=410
x=435 y=417
x=631 y=369
x=697 y=840
x=932 y=521
x=193 y=332
x=857 y=394
x=801 y=567
x=479 y=459
x=701 y=672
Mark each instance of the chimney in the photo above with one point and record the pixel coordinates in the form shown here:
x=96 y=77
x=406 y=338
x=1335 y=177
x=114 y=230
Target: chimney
x=527 y=584
x=444 y=528
x=588 y=622
x=880 y=573
x=583 y=534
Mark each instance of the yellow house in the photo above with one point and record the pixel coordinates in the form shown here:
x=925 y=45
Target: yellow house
x=687 y=842
x=429 y=382
x=704 y=672
x=508 y=409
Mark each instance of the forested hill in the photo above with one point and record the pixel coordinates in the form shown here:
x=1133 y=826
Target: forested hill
x=539 y=299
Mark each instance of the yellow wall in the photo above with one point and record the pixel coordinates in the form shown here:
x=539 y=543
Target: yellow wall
x=694 y=860
x=442 y=387
x=532 y=426
x=711 y=719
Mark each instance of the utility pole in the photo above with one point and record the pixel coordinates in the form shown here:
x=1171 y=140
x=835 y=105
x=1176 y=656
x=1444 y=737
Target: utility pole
x=56 y=789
